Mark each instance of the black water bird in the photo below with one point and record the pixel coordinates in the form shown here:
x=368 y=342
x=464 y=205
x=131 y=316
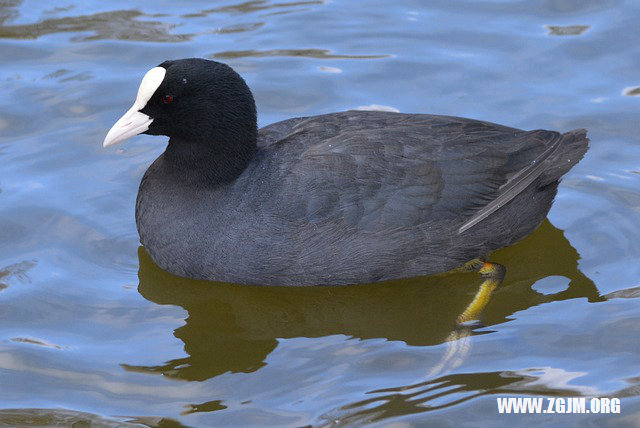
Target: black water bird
x=341 y=198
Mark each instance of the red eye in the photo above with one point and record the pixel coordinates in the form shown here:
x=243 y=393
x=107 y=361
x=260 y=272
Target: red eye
x=167 y=99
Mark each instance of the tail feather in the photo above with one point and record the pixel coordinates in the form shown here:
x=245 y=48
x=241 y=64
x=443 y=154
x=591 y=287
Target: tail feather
x=560 y=155
x=573 y=146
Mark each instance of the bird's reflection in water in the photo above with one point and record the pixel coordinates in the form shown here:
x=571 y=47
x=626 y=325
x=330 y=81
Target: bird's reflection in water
x=232 y=328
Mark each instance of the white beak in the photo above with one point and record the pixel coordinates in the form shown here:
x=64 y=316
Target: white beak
x=132 y=123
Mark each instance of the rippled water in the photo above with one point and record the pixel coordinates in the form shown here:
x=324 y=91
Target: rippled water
x=92 y=332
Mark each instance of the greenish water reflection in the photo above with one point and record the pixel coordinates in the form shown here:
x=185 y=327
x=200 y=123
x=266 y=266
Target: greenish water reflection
x=233 y=328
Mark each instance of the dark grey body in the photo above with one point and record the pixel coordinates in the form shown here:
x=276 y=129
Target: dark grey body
x=353 y=197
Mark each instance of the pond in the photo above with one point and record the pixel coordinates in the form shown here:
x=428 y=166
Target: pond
x=92 y=332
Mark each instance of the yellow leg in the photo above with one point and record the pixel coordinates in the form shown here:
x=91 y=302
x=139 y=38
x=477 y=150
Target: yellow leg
x=493 y=274
x=458 y=341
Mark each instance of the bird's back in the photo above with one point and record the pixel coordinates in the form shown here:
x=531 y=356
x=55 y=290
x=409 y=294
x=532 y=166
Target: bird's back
x=377 y=170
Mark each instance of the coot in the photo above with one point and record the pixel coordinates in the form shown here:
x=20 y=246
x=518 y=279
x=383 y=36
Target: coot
x=340 y=198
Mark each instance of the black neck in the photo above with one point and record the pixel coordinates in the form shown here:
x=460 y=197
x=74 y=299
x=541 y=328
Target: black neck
x=210 y=163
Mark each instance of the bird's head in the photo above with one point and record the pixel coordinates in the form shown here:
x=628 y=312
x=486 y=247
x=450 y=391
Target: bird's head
x=193 y=100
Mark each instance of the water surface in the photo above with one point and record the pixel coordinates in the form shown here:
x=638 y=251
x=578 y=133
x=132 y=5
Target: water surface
x=91 y=331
